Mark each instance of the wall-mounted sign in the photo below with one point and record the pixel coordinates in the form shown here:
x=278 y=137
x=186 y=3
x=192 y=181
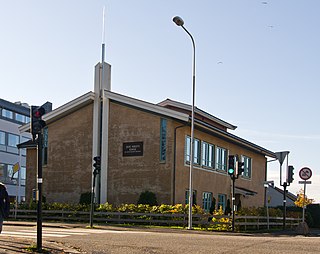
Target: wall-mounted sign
x=132 y=149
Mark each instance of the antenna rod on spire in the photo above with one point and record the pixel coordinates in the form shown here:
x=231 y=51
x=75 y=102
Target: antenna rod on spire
x=103 y=34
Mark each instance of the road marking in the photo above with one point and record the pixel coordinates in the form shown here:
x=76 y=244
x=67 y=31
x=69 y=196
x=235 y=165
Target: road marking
x=64 y=232
x=50 y=232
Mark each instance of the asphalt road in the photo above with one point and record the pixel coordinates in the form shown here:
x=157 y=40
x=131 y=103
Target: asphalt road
x=176 y=242
x=138 y=240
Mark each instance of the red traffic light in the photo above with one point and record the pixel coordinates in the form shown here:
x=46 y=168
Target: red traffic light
x=37 y=124
x=38 y=112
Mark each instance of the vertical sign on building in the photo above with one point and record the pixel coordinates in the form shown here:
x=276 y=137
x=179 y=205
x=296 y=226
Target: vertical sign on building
x=163 y=139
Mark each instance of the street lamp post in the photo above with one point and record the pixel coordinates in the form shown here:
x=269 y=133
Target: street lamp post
x=179 y=22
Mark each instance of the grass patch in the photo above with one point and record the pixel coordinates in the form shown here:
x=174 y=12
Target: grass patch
x=33 y=249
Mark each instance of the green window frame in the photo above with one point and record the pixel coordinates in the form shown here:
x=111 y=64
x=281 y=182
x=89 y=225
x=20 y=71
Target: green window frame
x=221 y=158
x=206 y=201
x=196 y=150
x=222 y=200
x=163 y=139
x=247 y=166
x=207 y=155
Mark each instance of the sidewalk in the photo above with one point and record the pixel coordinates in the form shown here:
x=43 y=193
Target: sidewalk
x=10 y=245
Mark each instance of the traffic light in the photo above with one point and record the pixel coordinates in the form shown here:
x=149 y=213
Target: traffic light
x=37 y=123
x=290 y=174
x=240 y=168
x=96 y=165
x=231 y=165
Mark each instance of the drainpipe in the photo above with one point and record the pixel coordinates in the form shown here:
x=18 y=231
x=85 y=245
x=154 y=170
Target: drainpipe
x=174 y=164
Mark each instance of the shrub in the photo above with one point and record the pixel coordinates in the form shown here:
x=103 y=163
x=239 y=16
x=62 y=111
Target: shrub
x=223 y=223
x=148 y=198
x=85 y=198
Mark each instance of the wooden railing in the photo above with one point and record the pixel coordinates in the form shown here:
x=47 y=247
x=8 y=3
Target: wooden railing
x=242 y=222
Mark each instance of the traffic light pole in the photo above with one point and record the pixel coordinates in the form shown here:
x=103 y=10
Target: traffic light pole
x=284 y=204
x=39 y=205
x=92 y=199
x=233 y=200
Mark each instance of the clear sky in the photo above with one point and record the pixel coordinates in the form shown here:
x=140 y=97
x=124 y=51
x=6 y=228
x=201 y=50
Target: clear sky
x=257 y=62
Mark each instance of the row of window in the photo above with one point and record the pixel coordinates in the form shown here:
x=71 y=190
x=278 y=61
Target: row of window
x=9 y=142
x=14 y=116
x=8 y=176
x=207 y=200
x=211 y=156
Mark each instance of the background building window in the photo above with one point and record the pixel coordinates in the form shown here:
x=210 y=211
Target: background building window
x=206 y=201
x=221 y=158
x=7 y=113
x=13 y=140
x=2 y=141
x=20 y=118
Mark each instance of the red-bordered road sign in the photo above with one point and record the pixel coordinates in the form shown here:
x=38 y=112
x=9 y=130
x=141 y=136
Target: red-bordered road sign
x=305 y=173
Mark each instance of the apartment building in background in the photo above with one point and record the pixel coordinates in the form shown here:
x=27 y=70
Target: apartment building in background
x=13 y=160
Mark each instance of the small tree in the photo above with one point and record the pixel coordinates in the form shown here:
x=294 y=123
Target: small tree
x=148 y=198
x=302 y=200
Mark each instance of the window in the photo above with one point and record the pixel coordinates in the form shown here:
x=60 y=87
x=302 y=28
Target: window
x=2 y=170
x=206 y=201
x=247 y=166
x=194 y=197
x=163 y=139
x=23 y=176
x=207 y=155
x=20 y=118
x=7 y=113
x=13 y=140
x=10 y=173
x=196 y=150
x=222 y=201
x=2 y=141
x=187 y=149
x=221 y=159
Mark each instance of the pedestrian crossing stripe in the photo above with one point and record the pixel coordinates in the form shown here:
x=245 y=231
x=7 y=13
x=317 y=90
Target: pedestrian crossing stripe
x=51 y=232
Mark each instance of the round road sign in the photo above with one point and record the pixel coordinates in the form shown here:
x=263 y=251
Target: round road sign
x=305 y=173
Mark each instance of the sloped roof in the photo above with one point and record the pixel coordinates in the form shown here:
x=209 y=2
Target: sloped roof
x=154 y=108
x=187 y=107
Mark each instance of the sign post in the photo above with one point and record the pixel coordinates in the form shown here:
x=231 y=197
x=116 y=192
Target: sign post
x=305 y=174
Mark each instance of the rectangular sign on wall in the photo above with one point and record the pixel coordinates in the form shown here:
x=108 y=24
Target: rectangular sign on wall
x=132 y=149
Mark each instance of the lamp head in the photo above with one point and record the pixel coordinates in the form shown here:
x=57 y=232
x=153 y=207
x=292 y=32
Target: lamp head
x=179 y=21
